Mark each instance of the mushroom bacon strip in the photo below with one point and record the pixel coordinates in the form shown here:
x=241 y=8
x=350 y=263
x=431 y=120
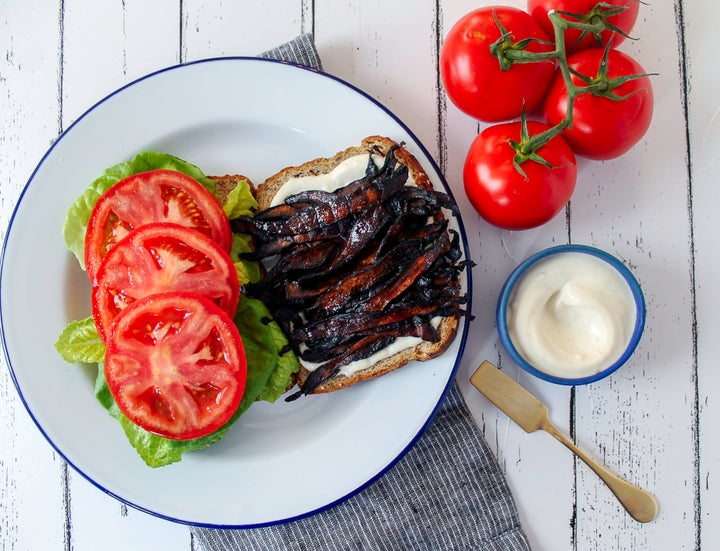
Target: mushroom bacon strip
x=271 y=245
x=409 y=276
x=421 y=202
x=346 y=266
x=377 y=184
x=374 y=276
x=350 y=271
x=366 y=226
x=321 y=208
x=361 y=349
x=331 y=347
x=351 y=322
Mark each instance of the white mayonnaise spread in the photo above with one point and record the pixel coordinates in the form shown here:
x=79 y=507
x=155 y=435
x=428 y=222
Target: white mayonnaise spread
x=571 y=315
x=347 y=171
x=398 y=345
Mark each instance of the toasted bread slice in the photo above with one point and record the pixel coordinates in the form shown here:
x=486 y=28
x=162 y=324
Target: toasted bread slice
x=225 y=184
x=269 y=188
x=423 y=351
x=447 y=326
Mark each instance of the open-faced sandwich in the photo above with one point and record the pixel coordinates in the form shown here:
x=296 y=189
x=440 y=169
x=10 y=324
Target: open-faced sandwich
x=363 y=273
x=206 y=290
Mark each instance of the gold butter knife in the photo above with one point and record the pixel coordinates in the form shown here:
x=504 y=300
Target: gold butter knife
x=531 y=414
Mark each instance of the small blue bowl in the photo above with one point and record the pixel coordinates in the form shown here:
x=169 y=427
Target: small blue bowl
x=516 y=276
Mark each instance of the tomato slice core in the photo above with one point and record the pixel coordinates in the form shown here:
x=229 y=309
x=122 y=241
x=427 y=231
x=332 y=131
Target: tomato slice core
x=152 y=196
x=162 y=257
x=175 y=365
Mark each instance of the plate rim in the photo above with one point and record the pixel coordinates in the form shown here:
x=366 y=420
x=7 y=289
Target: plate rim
x=463 y=327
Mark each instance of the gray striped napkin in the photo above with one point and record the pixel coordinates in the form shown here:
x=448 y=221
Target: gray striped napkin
x=447 y=492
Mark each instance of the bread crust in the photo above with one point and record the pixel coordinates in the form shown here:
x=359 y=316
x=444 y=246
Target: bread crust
x=267 y=190
x=225 y=184
x=421 y=352
x=448 y=326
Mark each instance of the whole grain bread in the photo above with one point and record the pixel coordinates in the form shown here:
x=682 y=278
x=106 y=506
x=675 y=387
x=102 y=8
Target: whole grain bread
x=447 y=327
x=267 y=190
x=225 y=184
x=421 y=352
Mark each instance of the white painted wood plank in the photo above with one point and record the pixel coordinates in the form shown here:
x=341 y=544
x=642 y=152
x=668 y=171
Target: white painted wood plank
x=216 y=28
x=107 y=45
x=99 y=521
x=387 y=51
x=31 y=474
x=540 y=471
x=618 y=208
x=702 y=24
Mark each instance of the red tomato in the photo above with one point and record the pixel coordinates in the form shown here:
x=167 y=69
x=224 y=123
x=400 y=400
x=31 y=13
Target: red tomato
x=153 y=196
x=472 y=76
x=175 y=365
x=162 y=257
x=505 y=197
x=588 y=11
x=603 y=128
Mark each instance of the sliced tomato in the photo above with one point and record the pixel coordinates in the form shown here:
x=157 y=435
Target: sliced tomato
x=175 y=365
x=161 y=257
x=153 y=196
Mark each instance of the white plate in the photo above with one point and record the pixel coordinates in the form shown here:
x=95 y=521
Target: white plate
x=280 y=461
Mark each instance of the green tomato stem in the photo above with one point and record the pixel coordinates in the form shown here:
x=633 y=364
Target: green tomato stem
x=526 y=149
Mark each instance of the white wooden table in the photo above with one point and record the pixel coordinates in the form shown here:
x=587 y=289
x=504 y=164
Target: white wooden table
x=654 y=422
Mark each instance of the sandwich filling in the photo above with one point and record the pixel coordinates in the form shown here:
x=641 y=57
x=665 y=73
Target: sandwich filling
x=361 y=265
x=349 y=170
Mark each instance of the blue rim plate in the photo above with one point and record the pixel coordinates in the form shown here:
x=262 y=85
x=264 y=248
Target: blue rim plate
x=522 y=268
x=280 y=461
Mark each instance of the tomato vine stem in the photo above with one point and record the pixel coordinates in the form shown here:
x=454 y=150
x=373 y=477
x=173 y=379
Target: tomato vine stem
x=592 y=23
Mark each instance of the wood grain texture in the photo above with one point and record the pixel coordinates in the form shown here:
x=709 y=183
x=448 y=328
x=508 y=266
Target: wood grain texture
x=614 y=211
x=700 y=22
x=653 y=422
x=33 y=482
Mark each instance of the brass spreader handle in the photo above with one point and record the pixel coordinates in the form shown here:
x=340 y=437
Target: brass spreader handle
x=531 y=414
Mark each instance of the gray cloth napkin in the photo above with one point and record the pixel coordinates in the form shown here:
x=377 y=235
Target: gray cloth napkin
x=446 y=493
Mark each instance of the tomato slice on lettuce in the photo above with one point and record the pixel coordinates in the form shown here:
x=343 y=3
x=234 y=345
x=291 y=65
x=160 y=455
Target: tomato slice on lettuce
x=175 y=365
x=161 y=257
x=153 y=196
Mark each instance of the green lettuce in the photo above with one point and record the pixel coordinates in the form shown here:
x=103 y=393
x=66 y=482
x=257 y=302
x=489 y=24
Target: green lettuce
x=269 y=371
x=240 y=201
x=80 y=343
x=269 y=366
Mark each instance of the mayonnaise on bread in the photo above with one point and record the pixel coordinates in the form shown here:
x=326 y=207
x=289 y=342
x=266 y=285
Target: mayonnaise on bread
x=347 y=171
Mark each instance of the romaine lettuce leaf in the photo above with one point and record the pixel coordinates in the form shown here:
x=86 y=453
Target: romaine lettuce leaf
x=240 y=201
x=270 y=370
x=248 y=271
x=80 y=342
